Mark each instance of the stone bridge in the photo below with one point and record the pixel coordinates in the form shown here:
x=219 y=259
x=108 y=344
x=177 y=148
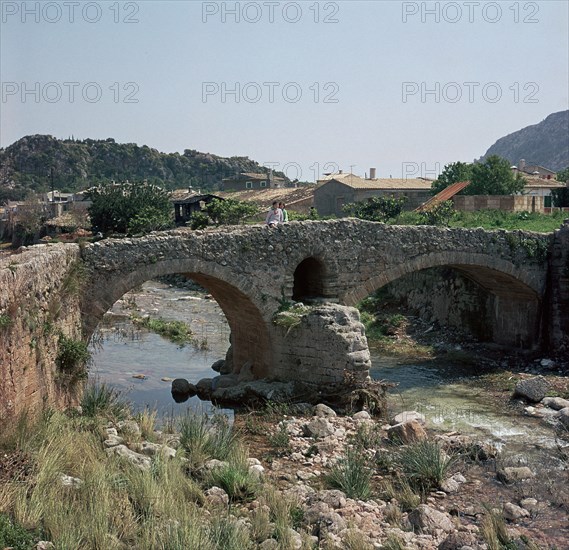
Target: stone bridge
x=252 y=271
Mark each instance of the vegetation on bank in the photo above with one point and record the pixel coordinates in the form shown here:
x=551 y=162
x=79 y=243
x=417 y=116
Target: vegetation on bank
x=177 y=332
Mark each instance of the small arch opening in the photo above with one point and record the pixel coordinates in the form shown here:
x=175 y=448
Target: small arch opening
x=308 y=281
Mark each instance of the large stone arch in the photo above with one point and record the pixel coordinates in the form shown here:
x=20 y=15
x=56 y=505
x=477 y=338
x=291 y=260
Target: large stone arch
x=517 y=311
x=234 y=294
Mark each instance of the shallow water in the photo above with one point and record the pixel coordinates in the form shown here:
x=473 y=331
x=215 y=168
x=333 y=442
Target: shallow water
x=448 y=395
x=451 y=400
x=122 y=350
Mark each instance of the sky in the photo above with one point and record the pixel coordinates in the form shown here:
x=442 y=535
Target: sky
x=306 y=87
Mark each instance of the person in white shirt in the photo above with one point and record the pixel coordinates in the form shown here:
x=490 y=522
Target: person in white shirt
x=274 y=216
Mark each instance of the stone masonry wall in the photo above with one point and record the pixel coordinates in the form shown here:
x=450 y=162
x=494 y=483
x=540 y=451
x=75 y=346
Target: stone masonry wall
x=38 y=301
x=328 y=347
x=559 y=277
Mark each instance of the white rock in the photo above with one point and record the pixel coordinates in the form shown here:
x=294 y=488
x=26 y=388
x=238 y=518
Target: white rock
x=141 y=461
x=362 y=415
x=322 y=410
x=408 y=416
x=68 y=481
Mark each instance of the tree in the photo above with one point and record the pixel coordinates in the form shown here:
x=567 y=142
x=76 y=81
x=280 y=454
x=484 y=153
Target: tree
x=563 y=176
x=560 y=197
x=494 y=176
x=230 y=211
x=452 y=173
x=130 y=208
x=376 y=209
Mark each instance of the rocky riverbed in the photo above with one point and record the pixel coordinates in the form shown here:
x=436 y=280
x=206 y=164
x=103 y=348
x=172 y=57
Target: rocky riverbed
x=509 y=452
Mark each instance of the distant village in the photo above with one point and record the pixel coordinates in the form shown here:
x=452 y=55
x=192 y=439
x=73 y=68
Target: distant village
x=65 y=213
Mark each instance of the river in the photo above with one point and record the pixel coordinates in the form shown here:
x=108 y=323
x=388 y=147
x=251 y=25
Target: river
x=451 y=396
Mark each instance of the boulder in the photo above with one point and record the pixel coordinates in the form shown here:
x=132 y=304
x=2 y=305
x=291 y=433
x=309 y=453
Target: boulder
x=407 y=416
x=513 y=512
x=224 y=381
x=204 y=387
x=218 y=365
x=141 y=461
x=246 y=373
x=407 y=432
x=563 y=416
x=429 y=521
x=318 y=428
x=362 y=415
x=556 y=403
x=458 y=540
x=532 y=389
x=258 y=390
x=512 y=474
x=324 y=411
x=181 y=387
x=216 y=496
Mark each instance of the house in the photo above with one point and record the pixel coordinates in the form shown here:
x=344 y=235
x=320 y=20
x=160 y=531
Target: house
x=337 y=190
x=250 y=180
x=533 y=170
x=187 y=203
x=297 y=199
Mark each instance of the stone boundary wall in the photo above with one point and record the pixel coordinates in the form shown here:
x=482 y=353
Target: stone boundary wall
x=38 y=301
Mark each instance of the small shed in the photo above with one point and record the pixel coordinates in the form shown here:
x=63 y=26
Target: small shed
x=184 y=207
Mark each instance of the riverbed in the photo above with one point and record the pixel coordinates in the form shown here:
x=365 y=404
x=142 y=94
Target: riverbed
x=141 y=365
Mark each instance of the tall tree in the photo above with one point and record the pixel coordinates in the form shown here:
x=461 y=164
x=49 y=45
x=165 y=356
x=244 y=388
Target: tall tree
x=494 y=176
x=452 y=173
x=130 y=208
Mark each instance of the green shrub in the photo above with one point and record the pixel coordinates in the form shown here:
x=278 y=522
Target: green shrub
x=425 y=465
x=351 y=475
x=5 y=321
x=376 y=209
x=198 y=220
x=280 y=440
x=14 y=536
x=72 y=355
x=440 y=213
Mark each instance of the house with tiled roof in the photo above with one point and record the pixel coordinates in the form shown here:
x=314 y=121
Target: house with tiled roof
x=252 y=181
x=335 y=191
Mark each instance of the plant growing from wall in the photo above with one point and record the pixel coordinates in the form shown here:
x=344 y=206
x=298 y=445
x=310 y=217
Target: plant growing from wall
x=5 y=321
x=72 y=355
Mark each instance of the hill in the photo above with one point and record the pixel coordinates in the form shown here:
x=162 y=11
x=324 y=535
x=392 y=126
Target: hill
x=545 y=144
x=25 y=166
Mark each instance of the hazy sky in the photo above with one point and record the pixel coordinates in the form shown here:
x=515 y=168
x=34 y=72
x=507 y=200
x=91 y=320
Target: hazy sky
x=401 y=86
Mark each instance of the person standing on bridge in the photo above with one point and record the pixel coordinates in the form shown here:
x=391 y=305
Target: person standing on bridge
x=283 y=210
x=274 y=216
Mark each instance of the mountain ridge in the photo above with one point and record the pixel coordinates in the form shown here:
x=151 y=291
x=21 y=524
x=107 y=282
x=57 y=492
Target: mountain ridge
x=26 y=165
x=545 y=143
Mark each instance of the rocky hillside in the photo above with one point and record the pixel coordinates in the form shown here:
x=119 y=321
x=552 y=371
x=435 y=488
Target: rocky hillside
x=546 y=143
x=26 y=164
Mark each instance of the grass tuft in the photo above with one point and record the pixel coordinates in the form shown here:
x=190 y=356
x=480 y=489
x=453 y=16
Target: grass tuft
x=425 y=465
x=351 y=475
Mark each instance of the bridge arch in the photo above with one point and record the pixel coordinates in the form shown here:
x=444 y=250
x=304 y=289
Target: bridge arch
x=309 y=279
x=233 y=293
x=517 y=305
